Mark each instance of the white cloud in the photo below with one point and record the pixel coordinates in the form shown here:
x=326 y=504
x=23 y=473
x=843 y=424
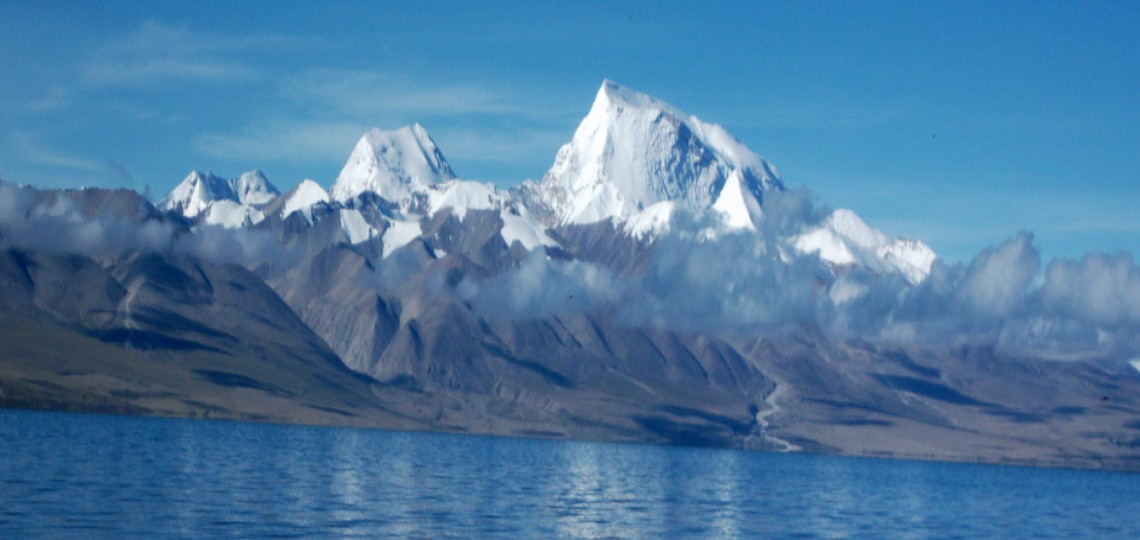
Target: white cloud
x=380 y=94
x=56 y=99
x=283 y=140
x=322 y=113
x=162 y=53
x=1101 y=288
x=997 y=279
x=33 y=151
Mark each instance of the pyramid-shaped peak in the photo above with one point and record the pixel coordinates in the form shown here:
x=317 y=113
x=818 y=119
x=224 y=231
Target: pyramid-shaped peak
x=253 y=187
x=302 y=198
x=633 y=151
x=196 y=192
x=206 y=178
x=413 y=136
x=613 y=95
x=207 y=183
x=392 y=164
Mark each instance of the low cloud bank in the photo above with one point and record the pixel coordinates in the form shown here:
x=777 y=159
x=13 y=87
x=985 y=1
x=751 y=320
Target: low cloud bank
x=738 y=284
x=545 y=287
x=56 y=222
x=749 y=284
x=1003 y=298
x=103 y=223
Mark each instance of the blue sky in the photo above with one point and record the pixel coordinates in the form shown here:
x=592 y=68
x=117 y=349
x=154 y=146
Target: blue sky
x=957 y=123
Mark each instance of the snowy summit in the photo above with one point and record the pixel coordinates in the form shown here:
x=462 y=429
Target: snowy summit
x=218 y=201
x=393 y=164
x=633 y=151
x=633 y=161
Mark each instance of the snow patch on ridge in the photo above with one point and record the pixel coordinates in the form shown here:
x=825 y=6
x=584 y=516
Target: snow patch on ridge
x=355 y=227
x=462 y=195
x=739 y=208
x=302 y=199
x=651 y=221
x=398 y=235
x=230 y=214
x=845 y=239
x=520 y=226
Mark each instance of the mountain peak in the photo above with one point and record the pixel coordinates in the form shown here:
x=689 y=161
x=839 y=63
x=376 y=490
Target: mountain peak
x=392 y=164
x=612 y=94
x=302 y=198
x=199 y=191
x=633 y=151
x=191 y=196
x=253 y=188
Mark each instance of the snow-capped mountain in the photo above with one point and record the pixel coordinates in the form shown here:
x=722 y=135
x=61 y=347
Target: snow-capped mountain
x=302 y=199
x=210 y=199
x=633 y=161
x=253 y=189
x=196 y=192
x=393 y=164
x=406 y=168
x=844 y=239
x=633 y=152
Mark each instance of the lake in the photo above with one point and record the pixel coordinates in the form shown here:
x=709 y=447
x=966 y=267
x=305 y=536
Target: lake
x=78 y=475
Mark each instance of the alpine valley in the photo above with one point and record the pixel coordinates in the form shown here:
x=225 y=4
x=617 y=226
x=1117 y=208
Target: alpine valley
x=658 y=284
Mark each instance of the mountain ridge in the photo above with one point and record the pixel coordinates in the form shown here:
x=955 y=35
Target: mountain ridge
x=729 y=318
x=635 y=160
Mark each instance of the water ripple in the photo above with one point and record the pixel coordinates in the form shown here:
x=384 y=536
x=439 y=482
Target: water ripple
x=90 y=475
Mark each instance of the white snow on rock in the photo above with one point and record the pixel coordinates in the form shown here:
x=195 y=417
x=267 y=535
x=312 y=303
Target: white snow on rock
x=520 y=226
x=302 y=199
x=392 y=164
x=231 y=215
x=845 y=239
x=911 y=257
x=231 y=203
x=651 y=221
x=195 y=193
x=355 y=228
x=633 y=151
x=399 y=234
x=253 y=189
x=462 y=195
x=738 y=208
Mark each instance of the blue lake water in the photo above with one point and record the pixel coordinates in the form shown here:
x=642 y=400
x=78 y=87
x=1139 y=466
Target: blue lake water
x=84 y=476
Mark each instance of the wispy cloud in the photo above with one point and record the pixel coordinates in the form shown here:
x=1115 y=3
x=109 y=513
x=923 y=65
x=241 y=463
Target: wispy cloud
x=292 y=141
x=63 y=167
x=56 y=99
x=372 y=93
x=331 y=142
x=161 y=53
x=321 y=114
x=33 y=151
